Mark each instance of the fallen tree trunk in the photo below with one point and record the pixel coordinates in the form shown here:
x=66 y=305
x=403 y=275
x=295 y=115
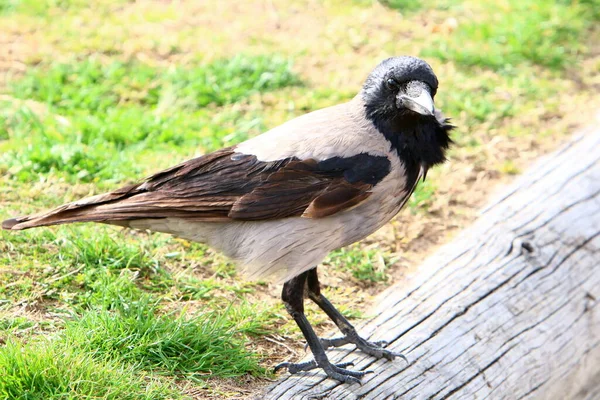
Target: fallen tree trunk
x=508 y=310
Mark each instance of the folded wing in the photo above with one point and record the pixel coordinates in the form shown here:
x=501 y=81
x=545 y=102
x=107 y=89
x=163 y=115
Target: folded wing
x=226 y=185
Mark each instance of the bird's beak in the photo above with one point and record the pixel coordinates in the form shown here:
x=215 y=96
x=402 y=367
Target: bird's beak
x=422 y=104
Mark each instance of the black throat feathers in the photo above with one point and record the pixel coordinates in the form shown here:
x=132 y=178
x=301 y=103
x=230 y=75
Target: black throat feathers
x=418 y=140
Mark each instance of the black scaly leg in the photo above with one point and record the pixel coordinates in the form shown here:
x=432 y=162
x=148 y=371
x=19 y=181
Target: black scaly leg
x=375 y=349
x=293 y=298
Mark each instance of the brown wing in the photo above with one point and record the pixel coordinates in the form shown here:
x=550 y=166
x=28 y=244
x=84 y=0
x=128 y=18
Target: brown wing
x=225 y=185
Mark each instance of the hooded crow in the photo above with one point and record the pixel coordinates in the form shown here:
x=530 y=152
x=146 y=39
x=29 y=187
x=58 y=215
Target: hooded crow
x=278 y=203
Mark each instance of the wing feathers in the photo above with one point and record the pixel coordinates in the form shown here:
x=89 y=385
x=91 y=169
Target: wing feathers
x=335 y=200
x=226 y=185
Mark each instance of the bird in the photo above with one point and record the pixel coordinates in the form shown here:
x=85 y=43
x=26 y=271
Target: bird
x=279 y=202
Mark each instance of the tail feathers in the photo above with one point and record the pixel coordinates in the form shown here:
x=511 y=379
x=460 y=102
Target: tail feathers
x=51 y=218
x=10 y=223
x=122 y=206
x=86 y=210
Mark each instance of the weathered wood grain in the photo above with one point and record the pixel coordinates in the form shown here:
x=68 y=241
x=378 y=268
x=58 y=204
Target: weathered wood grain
x=508 y=310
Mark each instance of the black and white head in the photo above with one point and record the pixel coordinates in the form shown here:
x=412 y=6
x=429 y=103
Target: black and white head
x=398 y=99
x=400 y=87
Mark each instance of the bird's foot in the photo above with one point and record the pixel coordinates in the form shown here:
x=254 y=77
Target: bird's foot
x=334 y=371
x=375 y=349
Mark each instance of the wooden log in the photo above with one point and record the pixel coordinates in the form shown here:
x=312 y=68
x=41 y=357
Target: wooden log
x=508 y=310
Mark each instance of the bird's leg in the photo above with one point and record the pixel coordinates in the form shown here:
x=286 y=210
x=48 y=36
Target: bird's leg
x=293 y=298
x=375 y=349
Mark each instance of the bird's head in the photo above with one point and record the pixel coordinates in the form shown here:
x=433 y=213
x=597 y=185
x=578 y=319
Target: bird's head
x=400 y=88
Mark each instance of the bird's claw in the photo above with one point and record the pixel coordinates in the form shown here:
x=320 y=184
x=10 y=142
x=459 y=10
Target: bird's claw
x=375 y=349
x=334 y=371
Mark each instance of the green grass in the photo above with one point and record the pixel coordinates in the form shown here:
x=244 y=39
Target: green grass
x=512 y=32
x=102 y=268
x=408 y=6
x=51 y=370
x=119 y=335
x=96 y=113
x=95 y=87
x=364 y=264
x=8 y=6
x=168 y=344
x=46 y=8
x=103 y=93
x=423 y=195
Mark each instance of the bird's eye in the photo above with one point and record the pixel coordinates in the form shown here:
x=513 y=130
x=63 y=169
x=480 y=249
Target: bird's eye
x=392 y=84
